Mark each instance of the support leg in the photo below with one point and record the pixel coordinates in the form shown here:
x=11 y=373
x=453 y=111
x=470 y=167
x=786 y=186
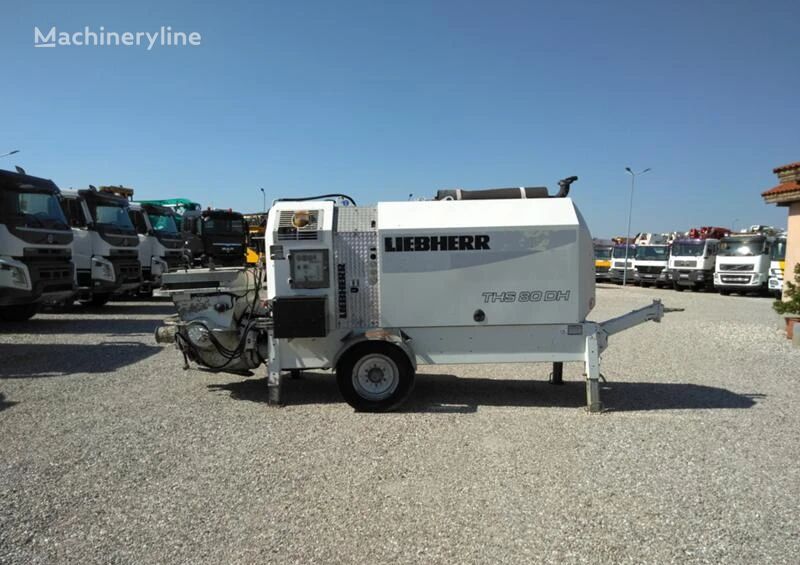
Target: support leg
x=592 y=364
x=274 y=374
x=558 y=374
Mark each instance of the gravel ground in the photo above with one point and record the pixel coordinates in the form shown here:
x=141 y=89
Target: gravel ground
x=111 y=453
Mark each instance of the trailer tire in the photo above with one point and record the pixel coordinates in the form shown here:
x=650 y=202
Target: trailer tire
x=18 y=312
x=375 y=376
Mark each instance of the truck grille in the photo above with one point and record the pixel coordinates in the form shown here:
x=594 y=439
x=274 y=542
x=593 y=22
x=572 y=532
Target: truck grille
x=684 y=263
x=734 y=267
x=650 y=270
x=735 y=279
x=52 y=277
x=127 y=271
x=601 y=269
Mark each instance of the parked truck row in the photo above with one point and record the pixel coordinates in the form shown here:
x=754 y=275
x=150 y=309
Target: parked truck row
x=92 y=244
x=706 y=258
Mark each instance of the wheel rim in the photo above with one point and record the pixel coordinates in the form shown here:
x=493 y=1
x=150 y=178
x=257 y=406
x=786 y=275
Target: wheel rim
x=375 y=377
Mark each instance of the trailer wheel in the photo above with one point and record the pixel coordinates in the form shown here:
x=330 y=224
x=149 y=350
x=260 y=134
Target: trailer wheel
x=375 y=376
x=18 y=312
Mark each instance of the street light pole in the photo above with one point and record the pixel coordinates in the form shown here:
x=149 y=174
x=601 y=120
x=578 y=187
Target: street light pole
x=630 y=213
x=10 y=153
x=264 y=194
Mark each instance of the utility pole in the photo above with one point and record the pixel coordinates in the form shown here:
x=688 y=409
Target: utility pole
x=630 y=213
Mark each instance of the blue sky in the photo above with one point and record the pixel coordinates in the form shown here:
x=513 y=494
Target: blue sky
x=380 y=100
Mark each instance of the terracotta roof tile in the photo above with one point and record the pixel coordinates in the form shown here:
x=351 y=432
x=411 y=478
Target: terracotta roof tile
x=786 y=167
x=793 y=186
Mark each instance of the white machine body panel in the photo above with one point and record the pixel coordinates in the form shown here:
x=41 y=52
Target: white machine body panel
x=442 y=263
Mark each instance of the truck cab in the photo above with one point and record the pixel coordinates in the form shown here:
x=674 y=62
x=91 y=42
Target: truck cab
x=602 y=259
x=105 y=248
x=160 y=243
x=777 y=267
x=214 y=238
x=35 y=254
x=617 y=272
x=692 y=263
x=743 y=262
x=650 y=265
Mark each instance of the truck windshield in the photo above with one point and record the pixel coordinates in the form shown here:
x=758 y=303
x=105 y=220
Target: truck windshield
x=32 y=209
x=223 y=225
x=742 y=247
x=779 y=250
x=110 y=215
x=652 y=253
x=687 y=249
x=602 y=253
x=619 y=252
x=163 y=223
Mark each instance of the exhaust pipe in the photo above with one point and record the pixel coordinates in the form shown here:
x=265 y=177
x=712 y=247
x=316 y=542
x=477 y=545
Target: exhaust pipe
x=166 y=334
x=523 y=192
x=563 y=186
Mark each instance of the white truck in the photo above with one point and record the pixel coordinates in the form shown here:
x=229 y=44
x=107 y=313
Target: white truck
x=693 y=259
x=743 y=261
x=651 y=259
x=160 y=243
x=777 y=266
x=621 y=270
x=491 y=276
x=104 y=247
x=35 y=265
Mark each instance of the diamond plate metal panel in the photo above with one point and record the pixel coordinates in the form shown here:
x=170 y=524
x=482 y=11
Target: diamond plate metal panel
x=356 y=262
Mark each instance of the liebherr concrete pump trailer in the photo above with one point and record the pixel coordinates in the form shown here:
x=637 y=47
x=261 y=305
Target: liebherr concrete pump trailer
x=490 y=276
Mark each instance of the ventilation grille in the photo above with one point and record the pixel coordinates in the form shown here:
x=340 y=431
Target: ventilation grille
x=736 y=267
x=287 y=231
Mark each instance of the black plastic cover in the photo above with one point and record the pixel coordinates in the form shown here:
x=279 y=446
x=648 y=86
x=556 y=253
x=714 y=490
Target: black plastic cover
x=299 y=316
x=492 y=193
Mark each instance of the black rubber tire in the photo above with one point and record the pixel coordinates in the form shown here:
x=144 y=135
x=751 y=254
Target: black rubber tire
x=348 y=362
x=18 y=312
x=97 y=299
x=725 y=292
x=677 y=287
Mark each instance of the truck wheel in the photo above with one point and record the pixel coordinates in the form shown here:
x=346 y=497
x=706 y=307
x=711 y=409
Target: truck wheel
x=676 y=286
x=97 y=299
x=18 y=312
x=375 y=376
x=725 y=292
